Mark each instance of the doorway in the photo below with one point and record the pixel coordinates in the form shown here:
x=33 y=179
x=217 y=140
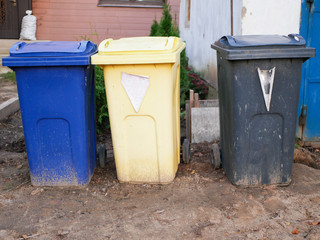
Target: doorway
x=11 y=14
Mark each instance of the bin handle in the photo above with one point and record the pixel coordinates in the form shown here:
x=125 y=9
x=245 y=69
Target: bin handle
x=15 y=47
x=104 y=44
x=230 y=40
x=296 y=37
x=82 y=46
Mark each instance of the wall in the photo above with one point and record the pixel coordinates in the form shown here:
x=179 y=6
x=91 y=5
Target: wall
x=271 y=17
x=209 y=20
x=71 y=20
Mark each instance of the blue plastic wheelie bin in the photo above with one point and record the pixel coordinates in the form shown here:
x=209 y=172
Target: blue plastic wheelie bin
x=56 y=87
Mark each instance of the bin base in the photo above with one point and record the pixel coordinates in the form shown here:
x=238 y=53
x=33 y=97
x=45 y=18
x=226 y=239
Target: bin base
x=58 y=182
x=262 y=185
x=152 y=183
x=163 y=180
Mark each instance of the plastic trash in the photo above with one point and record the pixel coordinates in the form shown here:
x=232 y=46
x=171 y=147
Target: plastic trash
x=28 y=27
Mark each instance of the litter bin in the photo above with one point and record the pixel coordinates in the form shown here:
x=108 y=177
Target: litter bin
x=142 y=79
x=56 y=87
x=259 y=80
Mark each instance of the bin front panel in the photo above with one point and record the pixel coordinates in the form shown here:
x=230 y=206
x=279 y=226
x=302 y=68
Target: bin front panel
x=57 y=108
x=54 y=141
x=257 y=144
x=146 y=139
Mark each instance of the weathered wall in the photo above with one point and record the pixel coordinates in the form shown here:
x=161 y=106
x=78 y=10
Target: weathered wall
x=271 y=17
x=209 y=20
x=76 y=19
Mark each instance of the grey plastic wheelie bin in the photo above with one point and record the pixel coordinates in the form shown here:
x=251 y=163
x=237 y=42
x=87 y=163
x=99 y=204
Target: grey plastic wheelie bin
x=259 y=81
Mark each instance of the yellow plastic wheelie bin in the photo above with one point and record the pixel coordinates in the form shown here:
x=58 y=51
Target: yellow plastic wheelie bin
x=142 y=79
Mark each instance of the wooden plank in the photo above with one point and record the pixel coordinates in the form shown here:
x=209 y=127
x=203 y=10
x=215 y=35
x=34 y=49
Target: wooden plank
x=188 y=120
x=191 y=102
x=196 y=100
x=191 y=97
x=189 y=8
x=207 y=103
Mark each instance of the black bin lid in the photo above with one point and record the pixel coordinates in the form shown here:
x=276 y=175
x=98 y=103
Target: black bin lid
x=262 y=47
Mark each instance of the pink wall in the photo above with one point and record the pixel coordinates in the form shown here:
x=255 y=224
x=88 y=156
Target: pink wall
x=72 y=20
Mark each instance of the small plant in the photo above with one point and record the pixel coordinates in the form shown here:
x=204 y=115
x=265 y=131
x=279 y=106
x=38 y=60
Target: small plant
x=8 y=77
x=198 y=83
x=93 y=33
x=102 y=115
x=166 y=27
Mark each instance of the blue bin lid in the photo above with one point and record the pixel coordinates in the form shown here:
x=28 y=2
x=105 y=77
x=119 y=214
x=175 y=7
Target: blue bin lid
x=262 y=47
x=55 y=53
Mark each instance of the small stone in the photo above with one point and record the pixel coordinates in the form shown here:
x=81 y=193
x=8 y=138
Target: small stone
x=36 y=191
x=159 y=211
x=63 y=232
x=315 y=199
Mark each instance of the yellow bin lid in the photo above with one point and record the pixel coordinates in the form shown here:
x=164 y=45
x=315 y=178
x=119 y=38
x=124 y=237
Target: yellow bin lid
x=138 y=50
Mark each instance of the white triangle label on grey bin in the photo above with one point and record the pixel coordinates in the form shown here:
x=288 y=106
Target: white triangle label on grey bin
x=136 y=87
x=266 y=81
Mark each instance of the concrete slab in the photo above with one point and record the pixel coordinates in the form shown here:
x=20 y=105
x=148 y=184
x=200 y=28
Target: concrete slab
x=9 y=107
x=205 y=126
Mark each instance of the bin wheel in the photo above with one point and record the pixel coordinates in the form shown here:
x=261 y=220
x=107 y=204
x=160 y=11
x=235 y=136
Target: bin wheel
x=215 y=156
x=102 y=155
x=186 y=151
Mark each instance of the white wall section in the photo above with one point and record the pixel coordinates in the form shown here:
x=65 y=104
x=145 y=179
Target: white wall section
x=270 y=16
x=209 y=20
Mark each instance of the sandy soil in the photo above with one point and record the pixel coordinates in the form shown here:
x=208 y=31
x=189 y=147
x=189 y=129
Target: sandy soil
x=7 y=90
x=199 y=204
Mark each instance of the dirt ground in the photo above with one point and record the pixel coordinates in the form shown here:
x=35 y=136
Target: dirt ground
x=7 y=90
x=199 y=204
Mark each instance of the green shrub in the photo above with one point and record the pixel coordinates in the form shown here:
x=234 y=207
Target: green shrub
x=188 y=78
x=101 y=102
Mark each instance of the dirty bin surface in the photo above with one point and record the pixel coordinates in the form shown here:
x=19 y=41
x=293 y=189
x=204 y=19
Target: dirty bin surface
x=259 y=81
x=142 y=81
x=56 y=92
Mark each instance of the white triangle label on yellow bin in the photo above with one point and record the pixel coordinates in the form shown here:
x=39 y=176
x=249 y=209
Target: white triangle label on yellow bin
x=266 y=81
x=136 y=87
